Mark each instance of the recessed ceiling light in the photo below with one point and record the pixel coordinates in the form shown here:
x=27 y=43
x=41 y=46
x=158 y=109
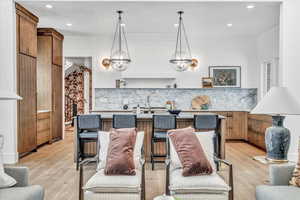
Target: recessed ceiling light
x=69 y=24
x=49 y=6
x=176 y=25
x=229 y=25
x=123 y=24
x=250 y=6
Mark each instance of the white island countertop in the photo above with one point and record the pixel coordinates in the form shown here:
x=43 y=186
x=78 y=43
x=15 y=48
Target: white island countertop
x=105 y=115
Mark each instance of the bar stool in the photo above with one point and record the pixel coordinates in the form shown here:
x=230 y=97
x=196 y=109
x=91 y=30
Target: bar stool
x=124 y=121
x=206 y=122
x=87 y=131
x=160 y=125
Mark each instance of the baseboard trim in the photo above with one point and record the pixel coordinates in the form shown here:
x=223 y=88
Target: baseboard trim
x=10 y=158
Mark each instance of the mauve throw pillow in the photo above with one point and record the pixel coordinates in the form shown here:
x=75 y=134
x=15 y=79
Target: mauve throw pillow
x=120 y=152
x=190 y=152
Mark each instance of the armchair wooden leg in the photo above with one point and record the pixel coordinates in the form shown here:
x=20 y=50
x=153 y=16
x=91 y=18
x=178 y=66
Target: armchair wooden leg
x=80 y=183
x=143 y=195
x=152 y=153
x=231 y=193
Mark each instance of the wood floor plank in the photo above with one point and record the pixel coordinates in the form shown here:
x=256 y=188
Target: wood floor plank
x=53 y=168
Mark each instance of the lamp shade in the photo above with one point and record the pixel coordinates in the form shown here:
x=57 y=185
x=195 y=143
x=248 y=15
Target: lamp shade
x=5 y=95
x=278 y=101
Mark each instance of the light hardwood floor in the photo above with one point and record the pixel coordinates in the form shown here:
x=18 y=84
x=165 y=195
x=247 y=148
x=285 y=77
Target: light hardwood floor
x=53 y=168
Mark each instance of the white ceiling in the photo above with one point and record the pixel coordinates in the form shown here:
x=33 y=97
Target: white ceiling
x=200 y=18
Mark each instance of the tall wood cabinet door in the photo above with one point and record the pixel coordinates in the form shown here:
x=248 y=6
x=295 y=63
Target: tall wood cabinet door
x=57 y=109
x=57 y=51
x=27 y=108
x=239 y=126
x=28 y=36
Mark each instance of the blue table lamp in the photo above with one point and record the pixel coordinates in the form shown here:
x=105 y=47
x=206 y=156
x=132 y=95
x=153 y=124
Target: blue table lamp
x=278 y=103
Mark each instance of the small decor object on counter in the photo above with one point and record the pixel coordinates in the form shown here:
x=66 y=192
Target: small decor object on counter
x=278 y=102
x=170 y=105
x=207 y=82
x=201 y=102
x=125 y=107
x=118 y=84
x=138 y=109
x=225 y=76
x=121 y=83
x=174 y=112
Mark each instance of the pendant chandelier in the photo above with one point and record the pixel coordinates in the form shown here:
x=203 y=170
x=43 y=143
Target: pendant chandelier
x=182 y=56
x=119 y=55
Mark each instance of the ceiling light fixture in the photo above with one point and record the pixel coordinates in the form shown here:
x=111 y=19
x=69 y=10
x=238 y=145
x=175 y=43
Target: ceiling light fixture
x=119 y=55
x=49 y=6
x=69 y=24
x=182 y=57
x=251 y=6
x=229 y=24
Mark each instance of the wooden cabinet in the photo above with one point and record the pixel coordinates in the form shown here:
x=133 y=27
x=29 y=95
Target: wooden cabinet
x=237 y=126
x=57 y=51
x=43 y=127
x=257 y=125
x=57 y=109
x=26 y=79
x=27 y=27
x=50 y=43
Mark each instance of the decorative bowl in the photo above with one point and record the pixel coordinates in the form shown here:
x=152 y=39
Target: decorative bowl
x=174 y=112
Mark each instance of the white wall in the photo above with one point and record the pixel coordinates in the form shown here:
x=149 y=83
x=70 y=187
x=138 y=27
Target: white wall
x=150 y=54
x=8 y=121
x=268 y=51
x=290 y=48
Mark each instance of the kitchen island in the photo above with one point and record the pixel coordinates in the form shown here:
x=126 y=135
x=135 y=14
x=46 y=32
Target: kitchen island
x=231 y=103
x=144 y=123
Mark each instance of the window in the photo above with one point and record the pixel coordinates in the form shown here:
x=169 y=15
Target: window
x=269 y=77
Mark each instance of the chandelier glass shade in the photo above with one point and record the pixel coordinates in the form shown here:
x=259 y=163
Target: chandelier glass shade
x=182 y=58
x=119 y=55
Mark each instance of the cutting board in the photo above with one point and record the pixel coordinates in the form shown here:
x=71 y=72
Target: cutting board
x=198 y=101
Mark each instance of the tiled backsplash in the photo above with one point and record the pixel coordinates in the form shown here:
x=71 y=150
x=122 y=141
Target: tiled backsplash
x=235 y=99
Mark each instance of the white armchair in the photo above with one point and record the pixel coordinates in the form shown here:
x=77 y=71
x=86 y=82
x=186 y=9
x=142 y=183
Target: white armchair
x=204 y=187
x=102 y=187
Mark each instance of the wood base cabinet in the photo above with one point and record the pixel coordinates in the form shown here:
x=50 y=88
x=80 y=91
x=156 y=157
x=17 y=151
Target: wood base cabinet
x=26 y=26
x=257 y=125
x=43 y=127
x=50 y=85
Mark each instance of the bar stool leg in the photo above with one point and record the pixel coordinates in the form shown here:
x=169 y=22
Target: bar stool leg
x=152 y=154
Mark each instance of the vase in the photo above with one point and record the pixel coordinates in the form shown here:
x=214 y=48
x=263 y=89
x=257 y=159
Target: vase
x=277 y=140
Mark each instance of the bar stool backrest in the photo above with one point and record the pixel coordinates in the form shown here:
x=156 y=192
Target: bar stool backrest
x=206 y=122
x=90 y=122
x=164 y=122
x=124 y=121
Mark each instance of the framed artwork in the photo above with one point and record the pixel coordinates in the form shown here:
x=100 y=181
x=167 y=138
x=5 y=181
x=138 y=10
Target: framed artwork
x=225 y=76
x=207 y=82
